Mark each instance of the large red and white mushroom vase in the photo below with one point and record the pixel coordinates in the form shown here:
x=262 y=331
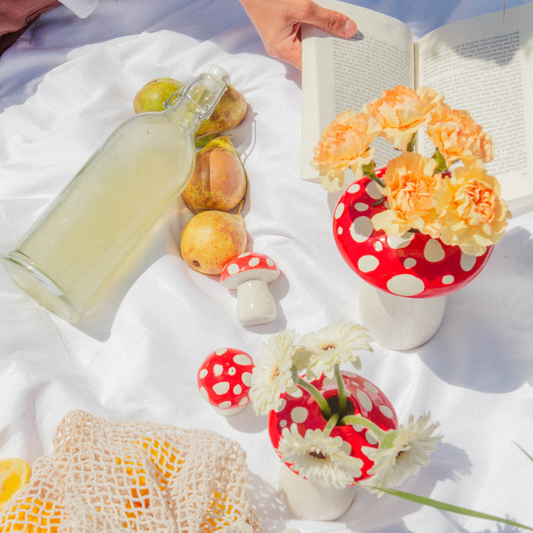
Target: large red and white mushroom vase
x=312 y=501
x=224 y=380
x=250 y=273
x=412 y=274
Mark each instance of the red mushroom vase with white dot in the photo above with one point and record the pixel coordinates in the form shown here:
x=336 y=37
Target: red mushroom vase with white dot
x=420 y=228
x=334 y=430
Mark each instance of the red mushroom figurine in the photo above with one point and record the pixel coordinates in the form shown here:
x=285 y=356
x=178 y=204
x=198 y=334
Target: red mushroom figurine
x=250 y=273
x=224 y=380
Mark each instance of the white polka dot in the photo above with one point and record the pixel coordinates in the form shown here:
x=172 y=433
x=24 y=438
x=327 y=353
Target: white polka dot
x=467 y=262
x=447 y=280
x=244 y=400
x=237 y=390
x=203 y=373
x=282 y=423
x=232 y=371
x=378 y=245
x=218 y=369
x=346 y=448
x=400 y=242
x=353 y=188
x=409 y=262
x=361 y=229
x=247 y=378
x=241 y=359
x=270 y=262
x=339 y=211
x=371 y=438
x=203 y=392
x=282 y=405
x=299 y=415
x=372 y=191
x=360 y=206
x=339 y=230
x=387 y=411
x=367 y=263
x=364 y=400
x=232 y=269
x=358 y=428
x=371 y=387
x=348 y=374
x=254 y=261
x=224 y=405
x=221 y=388
x=329 y=382
x=245 y=254
x=405 y=285
x=222 y=351
x=433 y=251
x=298 y=393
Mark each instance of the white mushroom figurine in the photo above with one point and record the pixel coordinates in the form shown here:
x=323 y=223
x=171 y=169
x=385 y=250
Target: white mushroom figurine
x=250 y=273
x=224 y=380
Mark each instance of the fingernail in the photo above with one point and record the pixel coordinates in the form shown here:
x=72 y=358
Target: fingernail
x=350 y=27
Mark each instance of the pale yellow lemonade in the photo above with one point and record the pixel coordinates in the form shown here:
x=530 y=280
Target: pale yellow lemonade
x=113 y=201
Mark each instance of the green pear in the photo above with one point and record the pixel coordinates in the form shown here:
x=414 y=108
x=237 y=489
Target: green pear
x=150 y=97
x=228 y=114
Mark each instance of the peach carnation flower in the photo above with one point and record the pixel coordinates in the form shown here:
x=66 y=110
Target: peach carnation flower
x=402 y=112
x=457 y=135
x=409 y=185
x=471 y=213
x=345 y=144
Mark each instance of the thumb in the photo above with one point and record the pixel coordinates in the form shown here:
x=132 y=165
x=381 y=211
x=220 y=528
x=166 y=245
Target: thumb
x=331 y=21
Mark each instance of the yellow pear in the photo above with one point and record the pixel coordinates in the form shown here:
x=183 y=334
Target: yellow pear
x=211 y=238
x=228 y=114
x=150 y=97
x=218 y=181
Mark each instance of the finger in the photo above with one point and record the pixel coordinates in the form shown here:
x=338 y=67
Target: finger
x=331 y=21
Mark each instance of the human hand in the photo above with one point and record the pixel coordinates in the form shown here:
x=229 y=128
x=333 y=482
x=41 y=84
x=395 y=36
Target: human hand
x=278 y=24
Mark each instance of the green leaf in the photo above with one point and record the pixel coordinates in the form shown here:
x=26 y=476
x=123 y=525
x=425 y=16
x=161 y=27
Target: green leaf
x=412 y=142
x=441 y=162
x=450 y=508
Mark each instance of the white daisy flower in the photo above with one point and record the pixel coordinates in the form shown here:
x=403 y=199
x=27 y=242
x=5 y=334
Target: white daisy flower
x=319 y=458
x=339 y=343
x=407 y=452
x=272 y=374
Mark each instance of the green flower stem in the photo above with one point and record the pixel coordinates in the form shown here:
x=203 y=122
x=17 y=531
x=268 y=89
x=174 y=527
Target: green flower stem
x=441 y=162
x=352 y=420
x=332 y=422
x=314 y=392
x=447 y=507
x=343 y=402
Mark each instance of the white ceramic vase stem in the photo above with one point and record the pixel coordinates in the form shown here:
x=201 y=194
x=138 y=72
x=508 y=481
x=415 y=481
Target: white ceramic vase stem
x=307 y=500
x=255 y=304
x=398 y=322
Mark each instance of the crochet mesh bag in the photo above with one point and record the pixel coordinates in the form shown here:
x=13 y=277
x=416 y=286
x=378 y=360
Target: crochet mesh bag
x=133 y=476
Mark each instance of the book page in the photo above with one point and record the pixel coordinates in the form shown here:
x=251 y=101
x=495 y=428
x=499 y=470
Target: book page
x=485 y=65
x=339 y=74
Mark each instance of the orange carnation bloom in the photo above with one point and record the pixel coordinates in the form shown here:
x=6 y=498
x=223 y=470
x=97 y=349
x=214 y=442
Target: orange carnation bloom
x=402 y=112
x=409 y=186
x=345 y=144
x=457 y=135
x=471 y=213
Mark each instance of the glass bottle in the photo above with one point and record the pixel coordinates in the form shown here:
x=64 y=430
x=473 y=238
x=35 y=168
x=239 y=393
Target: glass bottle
x=113 y=201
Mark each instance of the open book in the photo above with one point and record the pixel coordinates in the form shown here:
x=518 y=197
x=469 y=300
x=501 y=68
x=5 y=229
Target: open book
x=483 y=65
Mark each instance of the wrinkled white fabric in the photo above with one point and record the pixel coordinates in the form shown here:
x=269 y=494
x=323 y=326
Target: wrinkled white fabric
x=63 y=89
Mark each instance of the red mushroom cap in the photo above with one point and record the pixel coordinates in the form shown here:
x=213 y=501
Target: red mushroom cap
x=366 y=399
x=414 y=265
x=247 y=266
x=224 y=378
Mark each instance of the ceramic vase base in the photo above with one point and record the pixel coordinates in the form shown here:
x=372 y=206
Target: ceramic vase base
x=307 y=500
x=397 y=322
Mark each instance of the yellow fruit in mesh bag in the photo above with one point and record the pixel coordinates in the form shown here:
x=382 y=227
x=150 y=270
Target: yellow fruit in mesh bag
x=14 y=474
x=221 y=514
x=31 y=515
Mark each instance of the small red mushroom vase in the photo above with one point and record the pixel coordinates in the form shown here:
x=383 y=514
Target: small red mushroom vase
x=365 y=398
x=412 y=273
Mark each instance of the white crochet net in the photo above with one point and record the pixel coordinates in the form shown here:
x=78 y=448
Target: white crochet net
x=133 y=476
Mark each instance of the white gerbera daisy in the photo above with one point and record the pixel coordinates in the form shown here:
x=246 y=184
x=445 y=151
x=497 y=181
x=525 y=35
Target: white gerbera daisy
x=272 y=375
x=404 y=455
x=339 y=343
x=319 y=457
